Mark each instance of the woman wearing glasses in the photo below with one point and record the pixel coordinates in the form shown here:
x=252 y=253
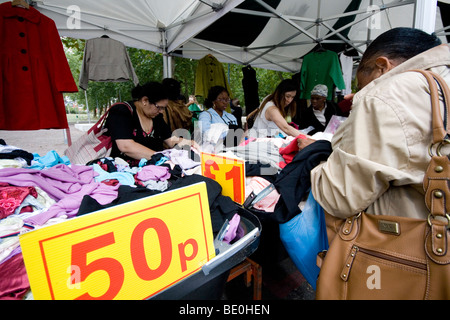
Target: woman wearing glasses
x=137 y=127
x=215 y=122
x=273 y=116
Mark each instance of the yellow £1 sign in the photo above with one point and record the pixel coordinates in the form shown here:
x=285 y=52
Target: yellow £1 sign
x=129 y=251
x=229 y=172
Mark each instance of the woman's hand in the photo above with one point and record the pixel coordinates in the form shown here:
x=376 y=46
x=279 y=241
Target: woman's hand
x=180 y=143
x=304 y=142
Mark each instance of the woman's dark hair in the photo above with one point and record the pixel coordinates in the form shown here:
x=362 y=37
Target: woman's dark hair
x=173 y=88
x=153 y=90
x=398 y=44
x=277 y=97
x=213 y=93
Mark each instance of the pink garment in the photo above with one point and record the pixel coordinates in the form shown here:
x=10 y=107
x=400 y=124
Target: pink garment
x=247 y=141
x=67 y=185
x=257 y=184
x=152 y=172
x=11 y=197
x=14 y=282
x=70 y=204
x=288 y=153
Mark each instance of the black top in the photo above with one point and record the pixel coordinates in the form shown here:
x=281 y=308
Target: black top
x=124 y=124
x=308 y=118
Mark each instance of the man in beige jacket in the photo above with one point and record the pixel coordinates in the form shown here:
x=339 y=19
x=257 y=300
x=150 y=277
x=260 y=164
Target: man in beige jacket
x=380 y=152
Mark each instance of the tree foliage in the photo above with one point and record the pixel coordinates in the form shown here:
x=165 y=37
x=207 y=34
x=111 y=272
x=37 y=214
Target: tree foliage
x=149 y=67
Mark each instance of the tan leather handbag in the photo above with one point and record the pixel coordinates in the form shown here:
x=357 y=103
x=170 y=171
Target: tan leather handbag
x=390 y=257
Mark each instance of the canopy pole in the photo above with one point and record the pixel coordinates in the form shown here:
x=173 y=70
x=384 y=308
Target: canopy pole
x=167 y=61
x=169 y=66
x=87 y=106
x=425 y=15
x=165 y=65
x=318 y=18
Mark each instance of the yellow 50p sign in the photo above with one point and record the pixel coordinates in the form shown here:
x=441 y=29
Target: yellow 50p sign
x=129 y=251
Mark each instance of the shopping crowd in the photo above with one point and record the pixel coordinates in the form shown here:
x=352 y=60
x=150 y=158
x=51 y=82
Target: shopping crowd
x=369 y=158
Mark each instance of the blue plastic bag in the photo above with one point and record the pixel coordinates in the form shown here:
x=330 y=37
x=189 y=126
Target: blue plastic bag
x=304 y=236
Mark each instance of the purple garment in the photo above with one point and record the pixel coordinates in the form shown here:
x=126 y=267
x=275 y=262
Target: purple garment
x=180 y=157
x=70 y=204
x=231 y=232
x=57 y=181
x=67 y=185
x=152 y=172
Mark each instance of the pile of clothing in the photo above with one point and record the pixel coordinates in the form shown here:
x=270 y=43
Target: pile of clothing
x=36 y=192
x=39 y=191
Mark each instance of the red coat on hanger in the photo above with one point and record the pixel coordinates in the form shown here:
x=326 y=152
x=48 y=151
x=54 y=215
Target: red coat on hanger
x=34 y=71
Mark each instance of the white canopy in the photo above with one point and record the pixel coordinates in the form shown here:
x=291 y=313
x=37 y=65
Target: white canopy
x=271 y=34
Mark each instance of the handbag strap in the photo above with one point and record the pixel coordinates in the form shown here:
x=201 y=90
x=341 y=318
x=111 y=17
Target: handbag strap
x=100 y=123
x=440 y=132
x=437 y=176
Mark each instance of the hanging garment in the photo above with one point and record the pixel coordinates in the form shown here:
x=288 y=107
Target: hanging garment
x=106 y=59
x=320 y=67
x=347 y=72
x=210 y=73
x=250 y=86
x=34 y=71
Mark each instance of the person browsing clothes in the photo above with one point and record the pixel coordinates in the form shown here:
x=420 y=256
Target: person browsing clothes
x=137 y=127
x=275 y=113
x=379 y=154
x=215 y=121
x=319 y=114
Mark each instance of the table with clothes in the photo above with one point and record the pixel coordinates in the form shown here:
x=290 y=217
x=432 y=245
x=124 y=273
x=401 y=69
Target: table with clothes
x=37 y=191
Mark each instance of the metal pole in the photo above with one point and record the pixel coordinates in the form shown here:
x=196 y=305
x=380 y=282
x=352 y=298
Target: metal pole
x=87 y=106
x=425 y=15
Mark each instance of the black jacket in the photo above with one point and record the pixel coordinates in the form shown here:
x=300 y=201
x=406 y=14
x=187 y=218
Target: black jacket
x=294 y=181
x=308 y=118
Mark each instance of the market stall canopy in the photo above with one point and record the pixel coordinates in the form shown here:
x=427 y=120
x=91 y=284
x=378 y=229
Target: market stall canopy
x=271 y=34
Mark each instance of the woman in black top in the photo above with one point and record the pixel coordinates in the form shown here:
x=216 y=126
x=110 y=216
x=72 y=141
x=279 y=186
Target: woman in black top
x=137 y=128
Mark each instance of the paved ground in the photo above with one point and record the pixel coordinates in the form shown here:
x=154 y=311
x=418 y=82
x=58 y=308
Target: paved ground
x=41 y=141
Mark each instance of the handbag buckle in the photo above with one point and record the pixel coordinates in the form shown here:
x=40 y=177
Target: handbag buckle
x=438 y=148
x=431 y=217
